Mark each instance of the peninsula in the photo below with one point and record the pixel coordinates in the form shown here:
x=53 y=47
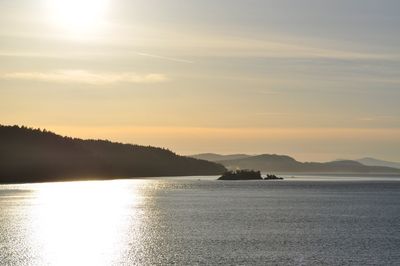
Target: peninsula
x=34 y=155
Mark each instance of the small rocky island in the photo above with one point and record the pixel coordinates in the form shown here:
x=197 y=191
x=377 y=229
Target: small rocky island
x=247 y=175
x=272 y=177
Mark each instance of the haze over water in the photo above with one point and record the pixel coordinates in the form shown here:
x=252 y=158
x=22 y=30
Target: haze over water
x=198 y=220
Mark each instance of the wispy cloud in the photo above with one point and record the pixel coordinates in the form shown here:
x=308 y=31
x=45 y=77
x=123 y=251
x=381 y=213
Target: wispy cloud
x=273 y=114
x=179 y=60
x=85 y=77
x=378 y=118
x=183 y=42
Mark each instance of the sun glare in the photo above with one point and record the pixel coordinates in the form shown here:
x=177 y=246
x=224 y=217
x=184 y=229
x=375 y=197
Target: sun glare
x=83 y=223
x=77 y=16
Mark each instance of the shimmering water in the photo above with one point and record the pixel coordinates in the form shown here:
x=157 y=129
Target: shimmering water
x=189 y=221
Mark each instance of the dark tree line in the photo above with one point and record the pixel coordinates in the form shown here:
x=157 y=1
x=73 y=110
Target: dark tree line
x=241 y=175
x=34 y=155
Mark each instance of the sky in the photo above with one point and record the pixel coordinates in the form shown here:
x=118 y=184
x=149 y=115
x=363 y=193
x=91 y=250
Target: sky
x=315 y=79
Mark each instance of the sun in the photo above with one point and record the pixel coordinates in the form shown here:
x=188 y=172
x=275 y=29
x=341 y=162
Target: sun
x=77 y=16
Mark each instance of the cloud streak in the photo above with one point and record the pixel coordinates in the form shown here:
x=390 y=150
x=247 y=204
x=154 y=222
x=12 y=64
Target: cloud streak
x=85 y=77
x=184 y=43
x=179 y=60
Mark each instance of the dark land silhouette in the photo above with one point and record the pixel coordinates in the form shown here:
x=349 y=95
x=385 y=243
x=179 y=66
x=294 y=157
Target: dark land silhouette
x=241 y=175
x=34 y=155
x=272 y=177
x=285 y=164
x=247 y=175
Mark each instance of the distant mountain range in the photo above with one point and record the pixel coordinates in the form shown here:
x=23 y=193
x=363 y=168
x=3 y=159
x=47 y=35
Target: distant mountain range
x=33 y=155
x=286 y=164
x=377 y=162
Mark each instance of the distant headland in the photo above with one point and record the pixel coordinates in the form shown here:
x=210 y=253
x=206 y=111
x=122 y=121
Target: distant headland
x=34 y=155
x=283 y=164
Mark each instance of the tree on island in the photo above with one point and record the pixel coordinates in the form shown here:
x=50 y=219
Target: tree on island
x=247 y=175
x=241 y=175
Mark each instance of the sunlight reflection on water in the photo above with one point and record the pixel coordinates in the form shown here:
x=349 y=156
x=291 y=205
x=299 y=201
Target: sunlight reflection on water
x=86 y=223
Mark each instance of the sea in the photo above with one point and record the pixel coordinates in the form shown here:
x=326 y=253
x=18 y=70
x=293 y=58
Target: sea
x=302 y=220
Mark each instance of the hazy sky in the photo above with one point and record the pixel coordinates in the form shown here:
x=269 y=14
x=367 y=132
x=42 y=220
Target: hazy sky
x=315 y=79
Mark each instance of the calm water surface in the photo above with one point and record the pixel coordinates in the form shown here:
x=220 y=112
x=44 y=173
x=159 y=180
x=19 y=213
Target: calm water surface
x=189 y=221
